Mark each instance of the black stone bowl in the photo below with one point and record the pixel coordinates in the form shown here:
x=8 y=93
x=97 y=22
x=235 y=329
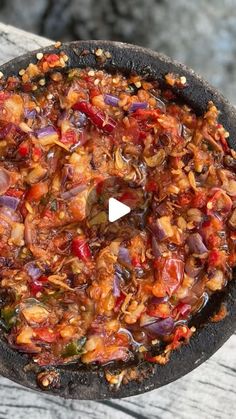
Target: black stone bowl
x=86 y=383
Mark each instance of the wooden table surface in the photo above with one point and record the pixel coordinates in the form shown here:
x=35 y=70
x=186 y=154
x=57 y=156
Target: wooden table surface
x=209 y=392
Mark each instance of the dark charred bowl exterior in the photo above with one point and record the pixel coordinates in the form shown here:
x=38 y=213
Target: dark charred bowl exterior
x=87 y=383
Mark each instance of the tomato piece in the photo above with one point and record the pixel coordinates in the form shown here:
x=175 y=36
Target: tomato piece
x=217 y=258
x=52 y=58
x=37 y=191
x=219 y=202
x=159 y=310
x=209 y=231
x=169 y=273
x=185 y=198
x=80 y=248
x=69 y=137
x=46 y=334
x=199 y=200
x=151 y=186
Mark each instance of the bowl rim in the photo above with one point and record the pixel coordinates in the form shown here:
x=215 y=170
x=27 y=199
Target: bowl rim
x=86 y=384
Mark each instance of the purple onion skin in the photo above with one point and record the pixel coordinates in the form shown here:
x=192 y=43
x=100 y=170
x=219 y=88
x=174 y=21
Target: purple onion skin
x=137 y=105
x=78 y=119
x=5 y=180
x=43 y=132
x=191 y=269
x=161 y=327
x=9 y=201
x=33 y=271
x=111 y=100
x=195 y=244
x=156 y=248
x=73 y=192
x=124 y=256
x=116 y=286
x=158 y=231
x=158 y=300
x=30 y=114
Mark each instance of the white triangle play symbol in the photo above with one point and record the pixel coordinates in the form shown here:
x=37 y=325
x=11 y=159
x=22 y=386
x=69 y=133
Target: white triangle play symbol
x=116 y=210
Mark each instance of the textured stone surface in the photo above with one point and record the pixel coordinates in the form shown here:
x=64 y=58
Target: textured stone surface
x=200 y=33
x=207 y=392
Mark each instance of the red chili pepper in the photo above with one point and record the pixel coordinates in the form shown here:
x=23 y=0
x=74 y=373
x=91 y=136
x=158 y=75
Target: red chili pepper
x=37 y=153
x=15 y=192
x=23 y=149
x=182 y=332
x=119 y=301
x=80 y=248
x=43 y=278
x=98 y=118
x=35 y=287
x=135 y=261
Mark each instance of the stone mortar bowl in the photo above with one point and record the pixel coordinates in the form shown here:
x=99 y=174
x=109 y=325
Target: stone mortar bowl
x=87 y=383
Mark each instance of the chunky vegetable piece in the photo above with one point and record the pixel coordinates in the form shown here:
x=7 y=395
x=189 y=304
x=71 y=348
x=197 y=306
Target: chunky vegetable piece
x=73 y=287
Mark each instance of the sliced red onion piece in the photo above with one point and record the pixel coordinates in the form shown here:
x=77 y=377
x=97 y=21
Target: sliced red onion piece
x=111 y=100
x=78 y=119
x=191 y=267
x=162 y=228
x=67 y=173
x=43 y=132
x=30 y=114
x=156 y=250
x=73 y=192
x=145 y=320
x=116 y=286
x=158 y=300
x=161 y=327
x=195 y=244
x=138 y=105
x=9 y=201
x=33 y=270
x=123 y=255
x=5 y=180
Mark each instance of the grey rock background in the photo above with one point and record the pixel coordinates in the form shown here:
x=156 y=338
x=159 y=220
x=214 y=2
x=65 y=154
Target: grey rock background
x=200 y=33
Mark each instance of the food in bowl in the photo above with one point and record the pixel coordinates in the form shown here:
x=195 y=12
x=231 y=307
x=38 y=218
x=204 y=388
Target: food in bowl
x=75 y=288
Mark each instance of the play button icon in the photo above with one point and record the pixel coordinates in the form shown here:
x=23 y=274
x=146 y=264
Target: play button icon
x=116 y=210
